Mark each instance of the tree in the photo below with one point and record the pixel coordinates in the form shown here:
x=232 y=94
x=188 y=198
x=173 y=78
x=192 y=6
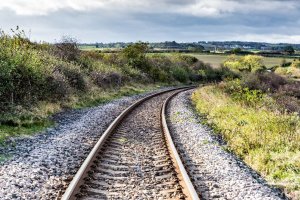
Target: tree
x=253 y=63
x=289 y=50
x=248 y=63
x=236 y=50
x=67 y=49
x=135 y=54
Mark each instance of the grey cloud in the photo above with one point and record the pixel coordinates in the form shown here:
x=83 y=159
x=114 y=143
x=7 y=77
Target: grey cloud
x=164 y=23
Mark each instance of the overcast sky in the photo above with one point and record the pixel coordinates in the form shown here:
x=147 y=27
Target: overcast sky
x=155 y=20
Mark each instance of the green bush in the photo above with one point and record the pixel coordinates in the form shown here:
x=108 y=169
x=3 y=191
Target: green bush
x=67 y=49
x=180 y=74
x=136 y=55
x=249 y=63
x=239 y=92
x=187 y=59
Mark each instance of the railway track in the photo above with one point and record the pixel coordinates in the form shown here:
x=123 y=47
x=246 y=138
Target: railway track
x=135 y=158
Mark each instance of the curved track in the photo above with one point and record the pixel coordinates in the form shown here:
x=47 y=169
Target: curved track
x=135 y=158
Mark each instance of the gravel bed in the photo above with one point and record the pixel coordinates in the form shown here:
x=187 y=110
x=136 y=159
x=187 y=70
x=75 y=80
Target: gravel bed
x=215 y=173
x=134 y=162
x=41 y=166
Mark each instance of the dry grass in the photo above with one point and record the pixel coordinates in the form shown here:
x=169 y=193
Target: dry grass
x=267 y=140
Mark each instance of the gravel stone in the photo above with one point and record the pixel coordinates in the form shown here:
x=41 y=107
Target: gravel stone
x=215 y=173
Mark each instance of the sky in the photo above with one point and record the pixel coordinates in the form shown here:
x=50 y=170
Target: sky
x=90 y=21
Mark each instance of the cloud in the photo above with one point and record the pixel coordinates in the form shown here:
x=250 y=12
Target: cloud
x=201 y=8
x=222 y=7
x=150 y=20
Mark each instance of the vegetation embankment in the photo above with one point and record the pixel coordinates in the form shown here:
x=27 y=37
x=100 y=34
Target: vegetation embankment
x=257 y=114
x=39 y=79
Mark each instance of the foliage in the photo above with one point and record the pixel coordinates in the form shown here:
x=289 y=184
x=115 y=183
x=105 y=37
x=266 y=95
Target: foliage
x=249 y=63
x=67 y=49
x=236 y=50
x=268 y=140
x=296 y=64
x=180 y=74
x=266 y=81
x=135 y=55
x=242 y=94
x=289 y=49
x=39 y=79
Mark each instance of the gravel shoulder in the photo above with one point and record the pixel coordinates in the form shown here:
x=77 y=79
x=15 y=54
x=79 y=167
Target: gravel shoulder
x=215 y=173
x=41 y=166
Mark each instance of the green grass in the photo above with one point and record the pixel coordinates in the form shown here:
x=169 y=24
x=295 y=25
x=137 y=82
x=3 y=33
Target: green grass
x=16 y=131
x=4 y=157
x=266 y=140
x=98 y=97
x=216 y=60
x=87 y=47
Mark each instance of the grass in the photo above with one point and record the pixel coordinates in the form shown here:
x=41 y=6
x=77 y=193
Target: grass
x=98 y=97
x=11 y=131
x=87 y=47
x=216 y=60
x=267 y=140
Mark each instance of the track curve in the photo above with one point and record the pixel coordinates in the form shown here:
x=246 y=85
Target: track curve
x=134 y=158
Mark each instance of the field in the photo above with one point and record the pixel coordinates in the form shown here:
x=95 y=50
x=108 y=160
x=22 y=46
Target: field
x=216 y=60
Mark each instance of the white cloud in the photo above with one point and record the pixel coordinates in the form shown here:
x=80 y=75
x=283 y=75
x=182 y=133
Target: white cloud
x=216 y=8
x=188 y=7
x=272 y=38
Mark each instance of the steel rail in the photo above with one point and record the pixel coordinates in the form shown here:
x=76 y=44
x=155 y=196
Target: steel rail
x=184 y=179
x=78 y=179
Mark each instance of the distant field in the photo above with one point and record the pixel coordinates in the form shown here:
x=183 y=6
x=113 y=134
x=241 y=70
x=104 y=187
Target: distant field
x=87 y=47
x=213 y=59
x=216 y=60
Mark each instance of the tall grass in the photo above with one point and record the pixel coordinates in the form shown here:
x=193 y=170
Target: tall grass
x=262 y=135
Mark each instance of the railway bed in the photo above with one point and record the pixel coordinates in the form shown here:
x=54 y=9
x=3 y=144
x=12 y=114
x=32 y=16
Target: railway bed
x=135 y=158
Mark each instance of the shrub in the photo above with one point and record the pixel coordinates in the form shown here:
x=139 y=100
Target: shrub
x=135 y=55
x=284 y=63
x=249 y=63
x=267 y=81
x=67 y=49
x=180 y=74
x=187 y=59
x=75 y=77
x=253 y=63
x=243 y=94
x=289 y=103
x=105 y=80
x=22 y=72
x=58 y=87
x=296 y=64
x=291 y=89
x=206 y=73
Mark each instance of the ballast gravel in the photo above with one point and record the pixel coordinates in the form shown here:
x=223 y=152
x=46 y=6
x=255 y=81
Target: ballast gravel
x=42 y=166
x=215 y=173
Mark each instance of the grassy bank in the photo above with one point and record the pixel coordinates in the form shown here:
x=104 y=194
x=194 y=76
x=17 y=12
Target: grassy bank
x=39 y=79
x=36 y=118
x=255 y=129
